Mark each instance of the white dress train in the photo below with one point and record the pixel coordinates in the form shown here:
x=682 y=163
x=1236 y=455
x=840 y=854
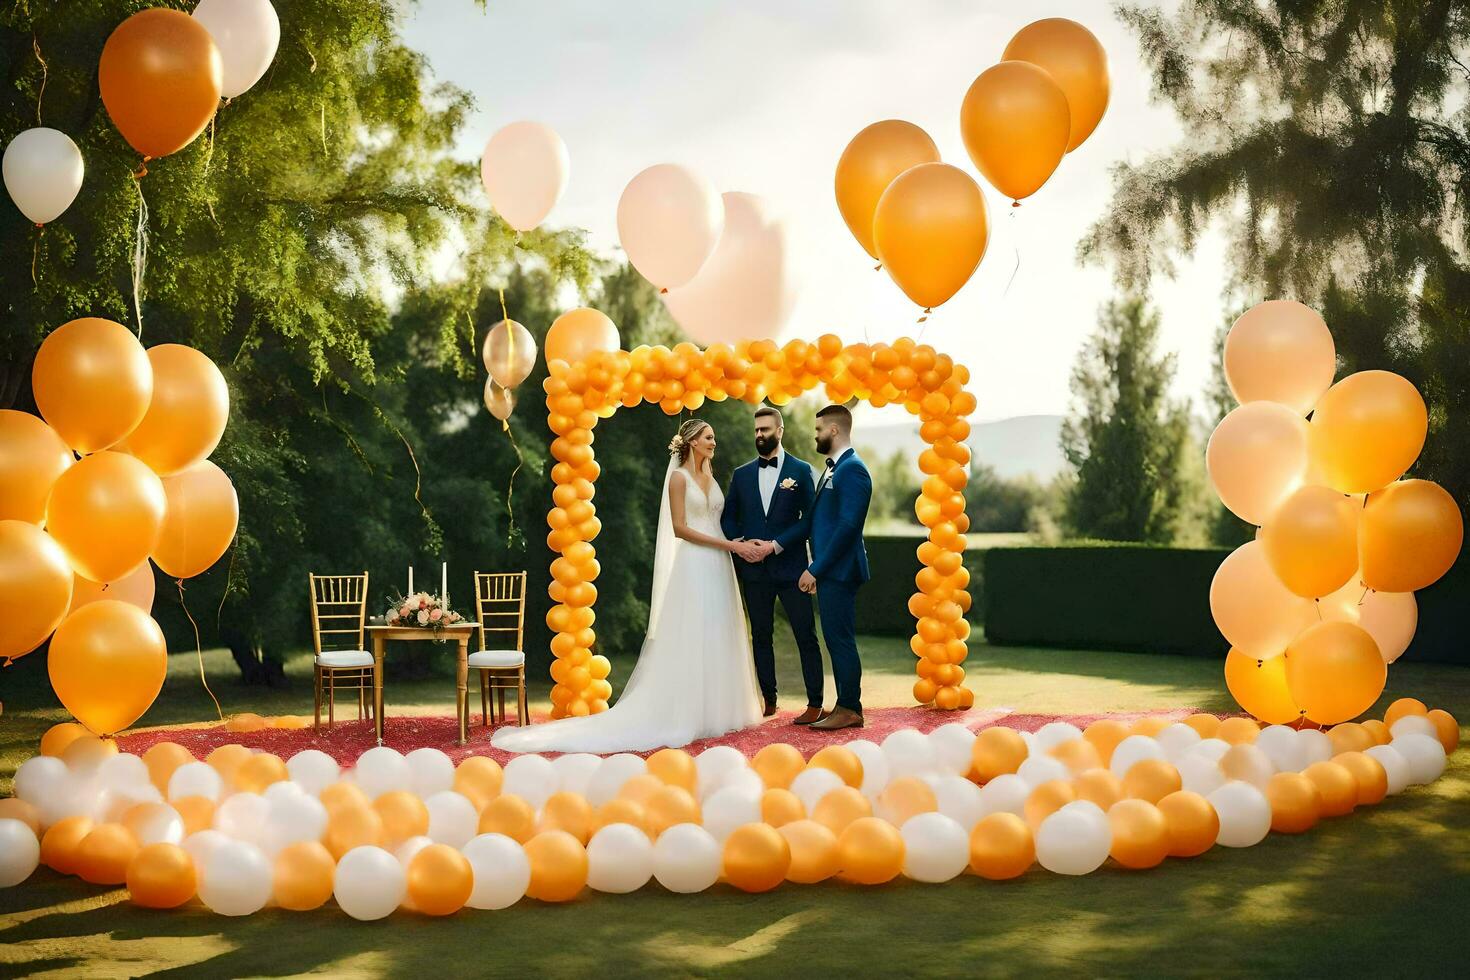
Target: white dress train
x=695 y=676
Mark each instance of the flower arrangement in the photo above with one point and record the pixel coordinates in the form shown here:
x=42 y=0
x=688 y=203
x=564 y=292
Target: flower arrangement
x=421 y=610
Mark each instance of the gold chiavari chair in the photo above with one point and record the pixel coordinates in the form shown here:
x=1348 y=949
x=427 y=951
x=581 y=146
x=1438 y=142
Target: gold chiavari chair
x=500 y=607
x=338 y=615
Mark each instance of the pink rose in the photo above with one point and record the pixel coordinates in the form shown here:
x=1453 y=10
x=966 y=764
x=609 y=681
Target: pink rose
x=436 y=615
x=423 y=618
x=423 y=603
x=404 y=612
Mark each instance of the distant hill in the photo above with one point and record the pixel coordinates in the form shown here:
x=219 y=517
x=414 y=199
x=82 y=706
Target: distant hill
x=1019 y=446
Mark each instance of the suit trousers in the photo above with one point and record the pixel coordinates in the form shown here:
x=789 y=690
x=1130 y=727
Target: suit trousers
x=760 y=606
x=837 y=605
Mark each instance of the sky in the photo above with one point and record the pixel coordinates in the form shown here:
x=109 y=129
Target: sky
x=763 y=95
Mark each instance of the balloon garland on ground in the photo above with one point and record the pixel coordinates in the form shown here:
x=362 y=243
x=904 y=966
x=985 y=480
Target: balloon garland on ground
x=590 y=378
x=241 y=829
x=1321 y=602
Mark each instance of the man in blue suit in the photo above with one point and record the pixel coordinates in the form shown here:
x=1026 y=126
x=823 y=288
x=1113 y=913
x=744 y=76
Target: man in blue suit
x=768 y=501
x=839 y=561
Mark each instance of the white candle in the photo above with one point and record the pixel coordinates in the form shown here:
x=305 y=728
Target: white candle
x=410 y=578
x=444 y=583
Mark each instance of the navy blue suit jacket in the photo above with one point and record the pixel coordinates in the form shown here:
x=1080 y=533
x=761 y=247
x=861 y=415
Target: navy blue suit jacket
x=838 y=514
x=785 y=523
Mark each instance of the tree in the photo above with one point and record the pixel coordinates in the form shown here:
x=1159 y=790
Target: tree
x=895 y=487
x=995 y=504
x=1330 y=141
x=1125 y=440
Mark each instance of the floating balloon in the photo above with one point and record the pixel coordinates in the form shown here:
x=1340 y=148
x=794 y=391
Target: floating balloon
x=1072 y=56
x=1257 y=614
x=1312 y=541
x=524 y=169
x=35 y=587
x=1410 y=535
x=669 y=221
x=1280 y=351
x=1016 y=126
x=32 y=456
x=1366 y=431
x=1259 y=686
x=869 y=164
x=1334 y=672
x=43 y=172
x=107 y=513
x=931 y=230
x=107 y=662
x=247 y=33
x=187 y=414
x=135 y=588
x=578 y=333
x=199 y=524
x=1389 y=617
x=92 y=381
x=161 y=76
x=1256 y=457
x=509 y=353
x=500 y=402
x=747 y=286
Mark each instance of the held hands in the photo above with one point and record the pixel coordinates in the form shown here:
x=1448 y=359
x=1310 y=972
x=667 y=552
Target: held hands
x=807 y=583
x=754 y=551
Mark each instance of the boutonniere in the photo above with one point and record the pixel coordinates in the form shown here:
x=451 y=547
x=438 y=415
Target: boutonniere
x=788 y=484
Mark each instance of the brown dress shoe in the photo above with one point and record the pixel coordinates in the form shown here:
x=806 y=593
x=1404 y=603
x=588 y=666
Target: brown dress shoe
x=770 y=709
x=809 y=716
x=839 y=717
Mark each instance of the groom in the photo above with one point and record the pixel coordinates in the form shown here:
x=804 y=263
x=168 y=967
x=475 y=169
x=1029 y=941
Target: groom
x=839 y=560
x=769 y=501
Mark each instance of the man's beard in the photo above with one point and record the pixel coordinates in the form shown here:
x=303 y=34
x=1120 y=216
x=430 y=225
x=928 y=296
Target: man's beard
x=824 y=444
x=765 y=445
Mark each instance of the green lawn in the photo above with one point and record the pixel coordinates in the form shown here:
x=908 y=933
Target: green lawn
x=1382 y=891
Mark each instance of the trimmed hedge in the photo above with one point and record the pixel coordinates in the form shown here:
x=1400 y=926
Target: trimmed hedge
x=883 y=604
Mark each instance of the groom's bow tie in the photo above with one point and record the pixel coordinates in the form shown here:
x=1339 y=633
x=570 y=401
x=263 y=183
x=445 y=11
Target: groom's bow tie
x=831 y=463
x=764 y=462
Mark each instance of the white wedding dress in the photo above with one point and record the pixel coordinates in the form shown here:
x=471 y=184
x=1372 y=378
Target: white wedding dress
x=695 y=676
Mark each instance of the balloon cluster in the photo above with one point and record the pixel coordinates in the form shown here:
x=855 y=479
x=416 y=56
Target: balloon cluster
x=76 y=535
x=1319 y=604
x=926 y=221
x=242 y=829
x=590 y=378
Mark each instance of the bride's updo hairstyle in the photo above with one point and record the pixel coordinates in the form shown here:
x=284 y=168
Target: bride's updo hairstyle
x=680 y=446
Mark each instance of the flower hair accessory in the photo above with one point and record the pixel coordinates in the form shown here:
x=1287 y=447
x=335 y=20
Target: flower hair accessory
x=675 y=445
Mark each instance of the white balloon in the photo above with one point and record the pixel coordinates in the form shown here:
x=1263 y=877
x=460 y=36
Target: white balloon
x=609 y=778
x=293 y=816
x=524 y=169
x=43 y=172
x=1413 y=725
x=619 y=859
x=1389 y=617
x=281 y=790
x=39 y=777
x=381 y=770
x=875 y=766
x=244 y=817
x=430 y=771
x=195 y=779
x=1177 y=739
x=1316 y=746
x=123 y=771
x=746 y=780
x=734 y=807
x=960 y=800
x=1394 y=765
x=1134 y=748
x=313 y=770
x=714 y=764
x=686 y=859
x=1424 y=753
x=20 y=852
x=936 y=848
x=909 y=754
x=1073 y=841
x=247 y=33
x=453 y=819
x=237 y=879
x=810 y=785
x=747 y=287
x=1199 y=774
x=953 y=747
x=575 y=771
x=200 y=845
x=1281 y=745
x=1245 y=815
x=502 y=871
x=1251 y=764
x=405 y=852
x=1209 y=748
x=1055 y=733
x=109 y=805
x=69 y=796
x=531 y=777
x=669 y=220
x=1040 y=769
x=157 y=823
x=370 y=883
x=1006 y=793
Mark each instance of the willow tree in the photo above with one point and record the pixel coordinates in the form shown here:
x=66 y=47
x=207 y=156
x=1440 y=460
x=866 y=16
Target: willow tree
x=1329 y=140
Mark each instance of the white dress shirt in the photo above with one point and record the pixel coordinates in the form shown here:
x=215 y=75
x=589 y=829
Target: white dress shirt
x=767 y=477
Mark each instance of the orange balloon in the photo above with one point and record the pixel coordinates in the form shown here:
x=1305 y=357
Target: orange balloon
x=478 y=779
x=814 y=854
x=439 y=880
x=509 y=815
x=669 y=806
x=640 y=788
x=35 y=587
x=303 y=876
x=1446 y=728
x=62 y=841
x=905 y=797
x=1366 y=431
x=844 y=762
x=997 y=751
x=1351 y=737
x=1296 y=803
x=1369 y=776
x=1238 y=731
x=59 y=736
x=32 y=456
x=675 y=767
x=227 y=760
x=870 y=163
x=259 y=771
x=558 y=866
x=352 y=825
x=1311 y=541
x=931 y=230
x=92 y=382
x=1334 y=671
x=1337 y=785
x=1072 y=56
x=622 y=811
x=1047 y=799
x=136 y=588
x=1411 y=534
x=1206 y=724
x=870 y=851
x=1151 y=780
x=1150 y=726
x=1280 y=351
x=1099 y=786
x=1001 y=847
x=1140 y=834
x=105 y=853
x=840 y=807
x=756 y=857
x=197 y=812
x=579 y=333
x=88 y=752
x=569 y=812
x=107 y=663
x=1256 y=457
x=404 y=815
x=781 y=806
x=777 y=764
x=1016 y=123
x=188 y=412
x=1377 y=731
x=160 y=75
x=1105 y=734
x=1259 y=686
x=1192 y=823
x=1078 y=754
x=161 y=876
x=334 y=797
x=203 y=513
x=107 y=513
x=1402 y=707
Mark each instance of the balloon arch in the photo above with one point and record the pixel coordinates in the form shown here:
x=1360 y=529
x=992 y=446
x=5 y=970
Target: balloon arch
x=929 y=384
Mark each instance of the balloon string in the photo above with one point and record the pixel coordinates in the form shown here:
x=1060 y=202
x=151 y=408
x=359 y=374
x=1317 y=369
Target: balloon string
x=36 y=47
x=510 y=334
x=36 y=254
x=140 y=247
x=219 y=613
x=199 y=649
x=1015 y=244
x=510 y=488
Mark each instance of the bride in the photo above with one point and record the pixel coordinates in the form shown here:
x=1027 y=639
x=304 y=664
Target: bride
x=695 y=676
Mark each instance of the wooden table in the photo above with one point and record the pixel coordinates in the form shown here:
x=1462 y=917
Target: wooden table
x=458 y=633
